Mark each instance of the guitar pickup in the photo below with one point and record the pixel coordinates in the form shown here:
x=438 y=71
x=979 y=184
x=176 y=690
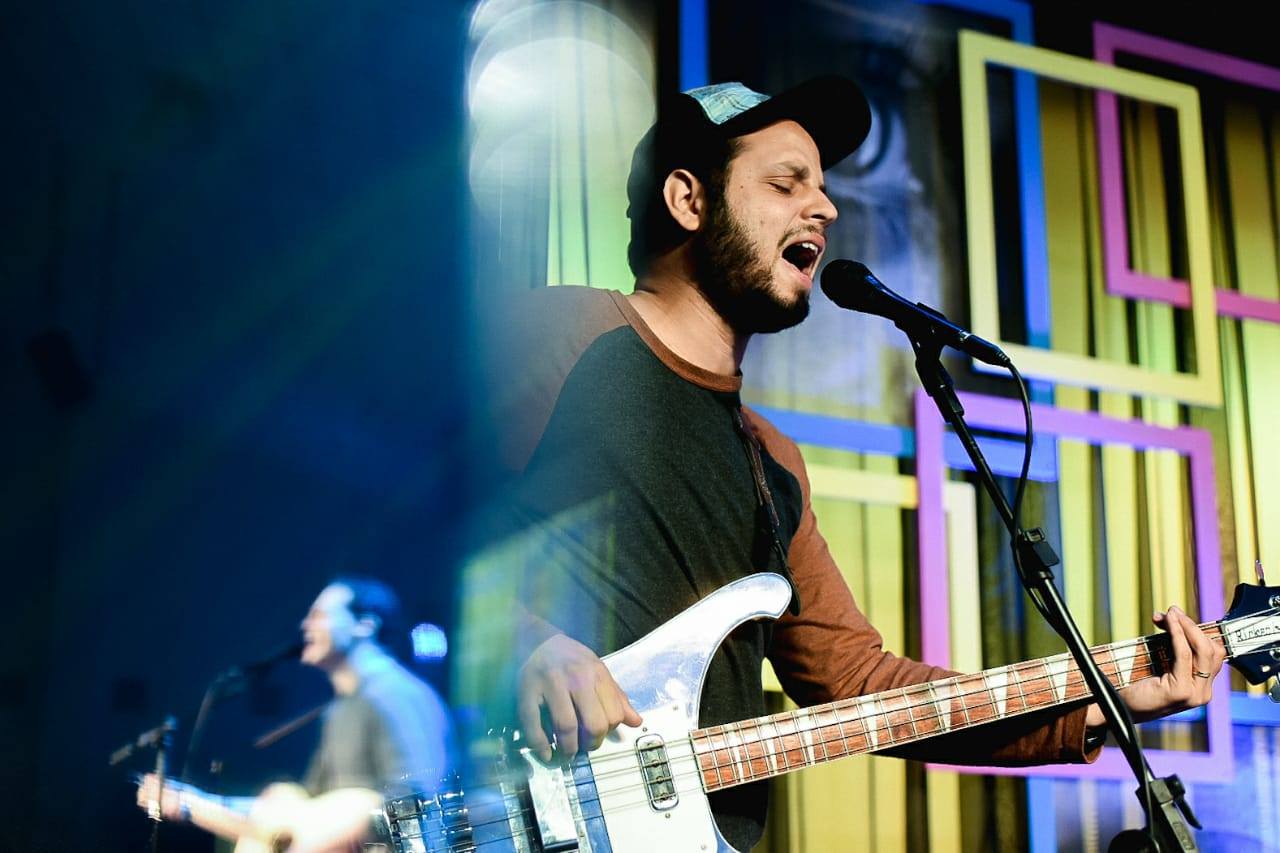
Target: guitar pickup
x=651 y=753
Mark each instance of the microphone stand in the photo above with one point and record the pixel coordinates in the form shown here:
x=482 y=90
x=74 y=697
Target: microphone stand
x=225 y=684
x=159 y=738
x=220 y=688
x=1161 y=799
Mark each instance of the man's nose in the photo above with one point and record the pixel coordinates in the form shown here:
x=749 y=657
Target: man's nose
x=822 y=209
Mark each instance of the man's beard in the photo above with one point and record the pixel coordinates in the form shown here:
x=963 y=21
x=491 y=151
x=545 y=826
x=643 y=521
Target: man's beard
x=735 y=281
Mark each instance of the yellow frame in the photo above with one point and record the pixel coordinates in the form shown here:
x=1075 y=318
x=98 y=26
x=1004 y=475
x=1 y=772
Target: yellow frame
x=977 y=50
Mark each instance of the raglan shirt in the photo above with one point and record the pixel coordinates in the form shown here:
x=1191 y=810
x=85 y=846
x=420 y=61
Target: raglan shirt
x=634 y=494
x=391 y=735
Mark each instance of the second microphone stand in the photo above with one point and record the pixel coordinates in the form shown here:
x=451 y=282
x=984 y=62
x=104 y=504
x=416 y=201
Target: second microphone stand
x=1162 y=799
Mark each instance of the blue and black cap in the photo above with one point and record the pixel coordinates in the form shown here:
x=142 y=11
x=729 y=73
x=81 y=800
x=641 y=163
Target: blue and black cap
x=694 y=126
x=694 y=131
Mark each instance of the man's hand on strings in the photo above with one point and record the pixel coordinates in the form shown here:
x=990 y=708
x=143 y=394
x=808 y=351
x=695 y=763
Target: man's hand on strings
x=583 y=701
x=1188 y=683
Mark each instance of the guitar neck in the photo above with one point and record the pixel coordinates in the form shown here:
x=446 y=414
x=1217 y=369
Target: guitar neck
x=764 y=747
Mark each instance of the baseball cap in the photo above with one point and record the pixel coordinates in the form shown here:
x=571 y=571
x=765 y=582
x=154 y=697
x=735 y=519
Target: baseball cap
x=694 y=124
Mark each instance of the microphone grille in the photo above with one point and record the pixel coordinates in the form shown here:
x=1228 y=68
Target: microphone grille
x=848 y=284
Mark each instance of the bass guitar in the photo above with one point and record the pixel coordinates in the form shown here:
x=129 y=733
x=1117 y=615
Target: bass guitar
x=645 y=788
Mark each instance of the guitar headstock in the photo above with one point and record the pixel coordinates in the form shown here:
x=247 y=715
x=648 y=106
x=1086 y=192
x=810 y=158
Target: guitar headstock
x=1251 y=632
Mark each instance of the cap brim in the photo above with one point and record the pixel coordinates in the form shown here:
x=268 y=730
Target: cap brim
x=832 y=109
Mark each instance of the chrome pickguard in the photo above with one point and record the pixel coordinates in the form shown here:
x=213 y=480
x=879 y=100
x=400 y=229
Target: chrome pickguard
x=662 y=674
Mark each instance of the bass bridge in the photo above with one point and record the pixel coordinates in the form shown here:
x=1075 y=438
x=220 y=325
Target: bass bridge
x=510 y=803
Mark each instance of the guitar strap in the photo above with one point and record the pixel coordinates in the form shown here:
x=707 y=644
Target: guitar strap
x=767 y=518
x=290 y=727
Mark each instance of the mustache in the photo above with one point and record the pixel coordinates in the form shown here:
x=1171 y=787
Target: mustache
x=795 y=232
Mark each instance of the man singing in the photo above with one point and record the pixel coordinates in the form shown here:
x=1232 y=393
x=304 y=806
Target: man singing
x=386 y=733
x=641 y=484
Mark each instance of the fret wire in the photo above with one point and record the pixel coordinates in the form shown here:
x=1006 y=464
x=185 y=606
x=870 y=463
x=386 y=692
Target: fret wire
x=816 y=718
x=911 y=714
x=793 y=719
x=742 y=752
x=724 y=739
x=806 y=734
x=732 y=766
x=1022 y=692
x=986 y=683
x=796 y=736
x=770 y=744
x=826 y=756
x=1128 y=675
x=944 y=725
x=1115 y=666
x=750 y=738
x=844 y=741
x=888 y=723
x=777 y=739
x=789 y=717
x=867 y=714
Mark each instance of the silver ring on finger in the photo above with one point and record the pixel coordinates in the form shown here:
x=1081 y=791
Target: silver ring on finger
x=1201 y=674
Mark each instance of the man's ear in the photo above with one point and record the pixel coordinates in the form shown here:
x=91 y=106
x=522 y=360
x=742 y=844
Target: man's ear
x=686 y=199
x=367 y=626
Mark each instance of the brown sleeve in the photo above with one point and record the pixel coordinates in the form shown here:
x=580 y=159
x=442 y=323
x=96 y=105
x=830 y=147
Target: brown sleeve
x=830 y=651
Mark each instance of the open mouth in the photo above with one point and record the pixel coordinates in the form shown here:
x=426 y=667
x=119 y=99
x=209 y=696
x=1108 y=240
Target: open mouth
x=803 y=255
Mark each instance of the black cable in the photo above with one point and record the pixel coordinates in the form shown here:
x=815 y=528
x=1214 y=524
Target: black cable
x=1028 y=441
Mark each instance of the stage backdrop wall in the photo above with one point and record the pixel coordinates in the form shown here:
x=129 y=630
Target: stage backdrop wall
x=1116 y=232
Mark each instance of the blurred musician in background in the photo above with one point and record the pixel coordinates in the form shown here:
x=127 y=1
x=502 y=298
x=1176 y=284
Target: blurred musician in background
x=386 y=733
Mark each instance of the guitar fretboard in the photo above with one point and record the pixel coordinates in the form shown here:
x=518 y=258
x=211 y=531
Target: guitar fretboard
x=769 y=746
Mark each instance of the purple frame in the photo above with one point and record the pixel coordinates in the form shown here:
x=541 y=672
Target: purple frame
x=1215 y=765
x=1121 y=279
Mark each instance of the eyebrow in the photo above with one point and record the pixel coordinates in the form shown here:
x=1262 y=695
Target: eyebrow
x=799 y=171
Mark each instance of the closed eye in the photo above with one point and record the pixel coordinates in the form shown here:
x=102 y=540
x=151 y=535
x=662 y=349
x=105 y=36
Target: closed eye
x=785 y=189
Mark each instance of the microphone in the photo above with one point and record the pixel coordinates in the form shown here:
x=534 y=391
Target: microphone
x=148 y=739
x=851 y=285
x=230 y=680
x=284 y=653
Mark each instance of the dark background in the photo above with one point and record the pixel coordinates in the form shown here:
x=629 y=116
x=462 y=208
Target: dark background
x=232 y=338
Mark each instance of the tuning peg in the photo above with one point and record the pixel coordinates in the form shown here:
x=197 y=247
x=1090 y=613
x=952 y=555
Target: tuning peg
x=1257 y=567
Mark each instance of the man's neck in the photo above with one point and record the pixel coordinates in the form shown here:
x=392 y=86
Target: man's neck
x=674 y=307
x=364 y=659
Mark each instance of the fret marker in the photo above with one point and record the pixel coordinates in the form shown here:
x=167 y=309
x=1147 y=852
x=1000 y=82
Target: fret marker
x=942 y=703
x=998 y=684
x=734 y=740
x=867 y=713
x=806 y=736
x=1057 y=668
x=1124 y=667
x=770 y=746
